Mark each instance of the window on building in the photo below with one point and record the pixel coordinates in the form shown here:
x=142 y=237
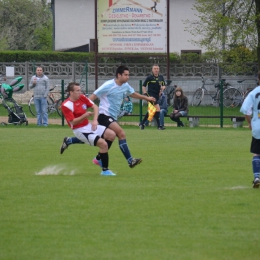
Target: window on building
x=190 y=55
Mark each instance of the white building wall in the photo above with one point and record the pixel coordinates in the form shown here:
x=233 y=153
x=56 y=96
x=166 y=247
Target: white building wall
x=181 y=10
x=74 y=24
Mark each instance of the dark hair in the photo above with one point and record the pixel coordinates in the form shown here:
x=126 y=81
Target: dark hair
x=120 y=70
x=181 y=96
x=71 y=85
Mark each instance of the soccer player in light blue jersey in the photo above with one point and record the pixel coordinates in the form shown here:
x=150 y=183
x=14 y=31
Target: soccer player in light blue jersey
x=110 y=95
x=251 y=109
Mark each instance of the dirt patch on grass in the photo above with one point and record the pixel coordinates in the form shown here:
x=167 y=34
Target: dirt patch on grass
x=33 y=120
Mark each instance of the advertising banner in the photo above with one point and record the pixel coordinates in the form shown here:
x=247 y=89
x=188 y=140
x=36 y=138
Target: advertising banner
x=132 y=26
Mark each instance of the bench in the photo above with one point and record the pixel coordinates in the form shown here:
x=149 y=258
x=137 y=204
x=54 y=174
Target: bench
x=194 y=120
x=237 y=120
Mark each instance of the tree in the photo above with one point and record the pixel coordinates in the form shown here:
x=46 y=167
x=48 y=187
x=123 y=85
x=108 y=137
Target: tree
x=227 y=25
x=22 y=23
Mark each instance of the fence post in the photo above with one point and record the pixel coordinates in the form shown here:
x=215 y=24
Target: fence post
x=26 y=72
x=86 y=71
x=34 y=67
x=73 y=72
x=62 y=98
x=140 y=102
x=221 y=102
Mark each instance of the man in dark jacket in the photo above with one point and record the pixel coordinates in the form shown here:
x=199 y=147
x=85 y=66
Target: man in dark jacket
x=152 y=86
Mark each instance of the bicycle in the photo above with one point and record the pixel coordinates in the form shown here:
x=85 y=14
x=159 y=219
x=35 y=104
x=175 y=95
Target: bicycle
x=169 y=92
x=231 y=96
x=54 y=105
x=247 y=90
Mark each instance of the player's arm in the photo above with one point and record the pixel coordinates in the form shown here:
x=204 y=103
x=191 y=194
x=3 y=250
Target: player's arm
x=95 y=117
x=144 y=90
x=79 y=119
x=139 y=96
x=93 y=97
x=68 y=114
x=248 y=119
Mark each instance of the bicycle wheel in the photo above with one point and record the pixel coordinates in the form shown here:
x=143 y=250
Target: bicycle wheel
x=32 y=106
x=232 y=98
x=197 y=97
x=247 y=92
x=58 y=107
x=51 y=108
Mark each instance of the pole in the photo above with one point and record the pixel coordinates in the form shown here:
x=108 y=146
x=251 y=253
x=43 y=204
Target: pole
x=140 y=102
x=62 y=98
x=221 y=102
x=86 y=71
x=168 y=40
x=96 y=48
x=34 y=69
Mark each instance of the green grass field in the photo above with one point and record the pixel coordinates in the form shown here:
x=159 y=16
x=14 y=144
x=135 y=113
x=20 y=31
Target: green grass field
x=191 y=198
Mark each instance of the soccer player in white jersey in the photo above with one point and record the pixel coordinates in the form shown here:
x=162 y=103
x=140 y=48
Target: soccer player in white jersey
x=251 y=109
x=111 y=94
x=75 y=110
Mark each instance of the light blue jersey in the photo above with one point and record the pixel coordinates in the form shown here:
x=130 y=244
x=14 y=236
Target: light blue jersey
x=111 y=96
x=251 y=105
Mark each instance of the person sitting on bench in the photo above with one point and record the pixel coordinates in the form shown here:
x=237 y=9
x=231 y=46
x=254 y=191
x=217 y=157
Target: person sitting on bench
x=180 y=107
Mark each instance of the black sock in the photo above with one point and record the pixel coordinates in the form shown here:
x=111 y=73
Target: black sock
x=157 y=116
x=104 y=160
x=145 y=118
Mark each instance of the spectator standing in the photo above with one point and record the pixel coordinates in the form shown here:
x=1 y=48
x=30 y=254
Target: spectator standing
x=75 y=110
x=250 y=108
x=127 y=107
x=41 y=86
x=152 y=86
x=180 y=106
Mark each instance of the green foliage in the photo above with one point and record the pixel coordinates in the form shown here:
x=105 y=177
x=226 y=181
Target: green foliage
x=43 y=37
x=190 y=58
x=19 y=20
x=236 y=60
x=45 y=56
x=180 y=203
x=224 y=24
x=3 y=44
x=136 y=58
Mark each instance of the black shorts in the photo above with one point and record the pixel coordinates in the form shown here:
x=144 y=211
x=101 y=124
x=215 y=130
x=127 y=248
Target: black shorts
x=105 y=120
x=255 y=146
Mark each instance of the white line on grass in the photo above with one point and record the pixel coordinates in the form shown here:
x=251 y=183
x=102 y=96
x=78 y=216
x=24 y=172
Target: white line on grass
x=55 y=170
x=238 y=188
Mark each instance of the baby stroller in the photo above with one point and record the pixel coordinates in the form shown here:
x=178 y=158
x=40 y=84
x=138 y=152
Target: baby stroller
x=16 y=115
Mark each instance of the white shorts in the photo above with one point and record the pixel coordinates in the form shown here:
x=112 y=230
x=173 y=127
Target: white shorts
x=86 y=135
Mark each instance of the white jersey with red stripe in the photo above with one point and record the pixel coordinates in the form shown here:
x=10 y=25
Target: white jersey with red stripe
x=74 y=109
